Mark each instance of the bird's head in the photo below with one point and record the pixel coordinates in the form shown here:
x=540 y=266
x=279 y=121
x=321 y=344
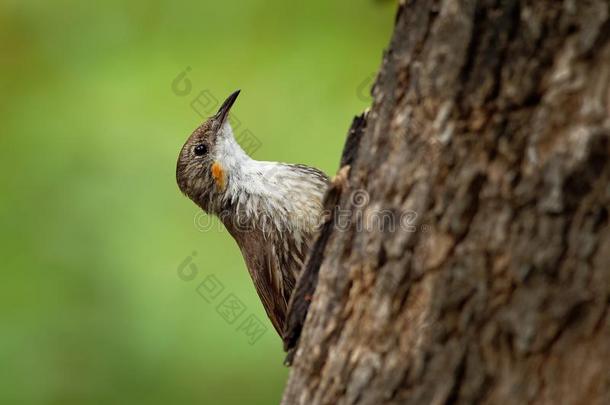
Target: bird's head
x=207 y=157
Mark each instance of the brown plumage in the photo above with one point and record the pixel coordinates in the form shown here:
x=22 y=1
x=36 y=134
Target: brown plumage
x=271 y=209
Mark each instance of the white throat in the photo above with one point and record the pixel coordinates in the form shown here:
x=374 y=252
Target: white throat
x=244 y=174
x=272 y=192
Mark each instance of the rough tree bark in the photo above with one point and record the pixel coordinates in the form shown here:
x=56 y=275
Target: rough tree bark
x=490 y=128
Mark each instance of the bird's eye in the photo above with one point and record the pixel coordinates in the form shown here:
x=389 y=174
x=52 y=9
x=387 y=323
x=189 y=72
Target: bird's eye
x=200 y=150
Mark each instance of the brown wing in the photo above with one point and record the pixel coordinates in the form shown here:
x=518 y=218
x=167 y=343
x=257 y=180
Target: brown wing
x=273 y=266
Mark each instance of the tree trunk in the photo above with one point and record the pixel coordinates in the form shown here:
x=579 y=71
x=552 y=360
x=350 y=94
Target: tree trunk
x=469 y=257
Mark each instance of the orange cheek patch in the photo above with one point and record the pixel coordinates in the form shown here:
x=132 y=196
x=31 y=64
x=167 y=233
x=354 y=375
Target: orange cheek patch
x=219 y=175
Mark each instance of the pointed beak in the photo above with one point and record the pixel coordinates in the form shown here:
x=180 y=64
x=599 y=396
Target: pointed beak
x=223 y=111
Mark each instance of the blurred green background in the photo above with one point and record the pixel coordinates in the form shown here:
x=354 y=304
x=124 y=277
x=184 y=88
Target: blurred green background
x=93 y=226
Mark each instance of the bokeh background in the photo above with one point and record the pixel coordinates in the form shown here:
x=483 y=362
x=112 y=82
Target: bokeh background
x=92 y=225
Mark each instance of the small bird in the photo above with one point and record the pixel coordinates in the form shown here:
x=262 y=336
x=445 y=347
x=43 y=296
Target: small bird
x=271 y=209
